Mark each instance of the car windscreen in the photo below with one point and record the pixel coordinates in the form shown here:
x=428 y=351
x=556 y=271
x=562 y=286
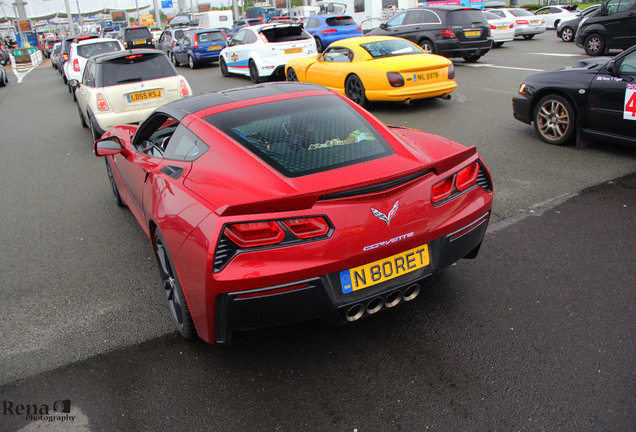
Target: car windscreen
x=521 y=12
x=90 y=50
x=285 y=34
x=388 y=48
x=214 y=36
x=305 y=135
x=465 y=17
x=138 y=33
x=135 y=67
x=340 y=21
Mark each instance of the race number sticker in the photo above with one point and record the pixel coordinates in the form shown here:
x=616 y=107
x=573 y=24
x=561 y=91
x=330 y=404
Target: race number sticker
x=629 y=112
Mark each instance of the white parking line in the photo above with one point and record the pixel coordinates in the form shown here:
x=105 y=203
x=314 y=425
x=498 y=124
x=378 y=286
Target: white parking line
x=477 y=65
x=559 y=55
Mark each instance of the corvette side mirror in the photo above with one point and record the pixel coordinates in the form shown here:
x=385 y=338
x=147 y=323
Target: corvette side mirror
x=107 y=147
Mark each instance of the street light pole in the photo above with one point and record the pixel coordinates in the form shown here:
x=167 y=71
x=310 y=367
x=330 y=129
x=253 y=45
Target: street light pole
x=69 y=16
x=79 y=17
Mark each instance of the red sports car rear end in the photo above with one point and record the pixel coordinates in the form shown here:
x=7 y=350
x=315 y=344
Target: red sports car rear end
x=285 y=202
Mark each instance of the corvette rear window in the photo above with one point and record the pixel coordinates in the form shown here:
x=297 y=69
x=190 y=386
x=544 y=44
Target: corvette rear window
x=304 y=136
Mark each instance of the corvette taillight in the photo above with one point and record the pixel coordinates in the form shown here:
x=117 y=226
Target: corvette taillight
x=307 y=227
x=76 y=66
x=467 y=177
x=263 y=233
x=461 y=181
x=183 y=89
x=102 y=105
x=253 y=234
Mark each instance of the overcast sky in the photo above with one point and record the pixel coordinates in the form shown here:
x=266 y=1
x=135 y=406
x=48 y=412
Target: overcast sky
x=36 y=8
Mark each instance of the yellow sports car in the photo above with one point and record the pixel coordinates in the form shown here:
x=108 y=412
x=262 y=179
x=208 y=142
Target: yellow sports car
x=377 y=68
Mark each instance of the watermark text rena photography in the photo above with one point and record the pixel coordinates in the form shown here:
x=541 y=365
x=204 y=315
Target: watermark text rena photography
x=58 y=411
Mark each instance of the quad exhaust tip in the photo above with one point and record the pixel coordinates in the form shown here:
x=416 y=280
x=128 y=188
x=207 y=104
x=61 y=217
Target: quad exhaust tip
x=376 y=304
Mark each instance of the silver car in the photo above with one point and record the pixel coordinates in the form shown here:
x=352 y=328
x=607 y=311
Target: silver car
x=526 y=23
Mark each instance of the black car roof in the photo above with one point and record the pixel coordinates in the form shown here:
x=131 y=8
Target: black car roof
x=182 y=107
x=101 y=58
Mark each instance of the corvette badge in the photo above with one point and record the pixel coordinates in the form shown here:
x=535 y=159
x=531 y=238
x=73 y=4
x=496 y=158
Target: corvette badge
x=386 y=217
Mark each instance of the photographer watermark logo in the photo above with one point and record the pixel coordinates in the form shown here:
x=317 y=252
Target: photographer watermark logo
x=57 y=411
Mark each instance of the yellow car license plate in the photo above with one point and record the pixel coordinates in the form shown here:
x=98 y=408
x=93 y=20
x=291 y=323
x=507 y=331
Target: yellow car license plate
x=472 y=33
x=139 y=42
x=385 y=269
x=293 y=50
x=534 y=22
x=215 y=47
x=143 y=95
x=427 y=76
x=502 y=28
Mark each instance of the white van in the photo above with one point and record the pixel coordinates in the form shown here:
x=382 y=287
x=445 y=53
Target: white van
x=215 y=19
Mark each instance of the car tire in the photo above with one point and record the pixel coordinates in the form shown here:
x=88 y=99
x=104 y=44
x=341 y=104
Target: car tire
x=223 y=67
x=554 y=119
x=113 y=185
x=174 y=60
x=428 y=46
x=556 y=24
x=497 y=44
x=191 y=62
x=82 y=121
x=594 y=45
x=528 y=37
x=567 y=34
x=177 y=304
x=291 y=75
x=354 y=90
x=472 y=58
x=254 y=76
x=93 y=129
x=319 y=46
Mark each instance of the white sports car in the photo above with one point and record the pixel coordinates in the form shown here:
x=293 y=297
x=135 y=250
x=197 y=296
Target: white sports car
x=262 y=51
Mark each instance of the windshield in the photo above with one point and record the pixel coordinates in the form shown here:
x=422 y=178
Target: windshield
x=304 y=136
x=389 y=48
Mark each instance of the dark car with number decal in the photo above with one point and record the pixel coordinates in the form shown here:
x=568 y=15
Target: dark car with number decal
x=286 y=201
x=125 y=87
x=594 y=99
x=450 y=31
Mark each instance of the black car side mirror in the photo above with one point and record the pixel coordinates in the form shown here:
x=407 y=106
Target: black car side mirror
x=73 y=83
x=611 y=68
x=383 y=26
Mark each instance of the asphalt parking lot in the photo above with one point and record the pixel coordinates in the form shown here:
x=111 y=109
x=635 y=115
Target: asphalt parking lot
x=536 y=334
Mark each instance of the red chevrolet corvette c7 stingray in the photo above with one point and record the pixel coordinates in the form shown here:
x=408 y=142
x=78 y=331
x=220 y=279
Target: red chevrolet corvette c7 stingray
x=286 y=201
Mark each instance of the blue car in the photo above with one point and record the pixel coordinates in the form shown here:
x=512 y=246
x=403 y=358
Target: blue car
x=199 y=46
x=330 y=28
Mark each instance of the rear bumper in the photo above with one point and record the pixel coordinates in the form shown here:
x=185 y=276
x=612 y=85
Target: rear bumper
x=455 y=48
x=400 y=94
x=323 y=298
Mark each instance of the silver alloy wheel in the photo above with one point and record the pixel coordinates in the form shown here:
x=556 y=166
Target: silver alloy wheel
x=554 y=120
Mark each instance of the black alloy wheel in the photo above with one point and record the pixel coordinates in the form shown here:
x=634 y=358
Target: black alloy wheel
x=174 y=294
x=254 y=76
x=82 y=121
x=291 y=75
x=354 y=89
x=113 y=185
x=223 y=67
x=554 y=120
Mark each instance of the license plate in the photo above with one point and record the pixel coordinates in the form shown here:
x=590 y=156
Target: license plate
x=472 y=33
x=383 y=270
x=427 y=76
x=215 y=47
x=534 y=22
x=502 y=28
x=293 y=50
x=139 y=42
x=143 y=95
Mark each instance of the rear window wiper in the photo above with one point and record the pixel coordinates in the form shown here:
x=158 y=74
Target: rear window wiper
x=128 y=80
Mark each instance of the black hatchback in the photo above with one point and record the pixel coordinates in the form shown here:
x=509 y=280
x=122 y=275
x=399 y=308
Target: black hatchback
x=450 y=31
x=136 y=37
